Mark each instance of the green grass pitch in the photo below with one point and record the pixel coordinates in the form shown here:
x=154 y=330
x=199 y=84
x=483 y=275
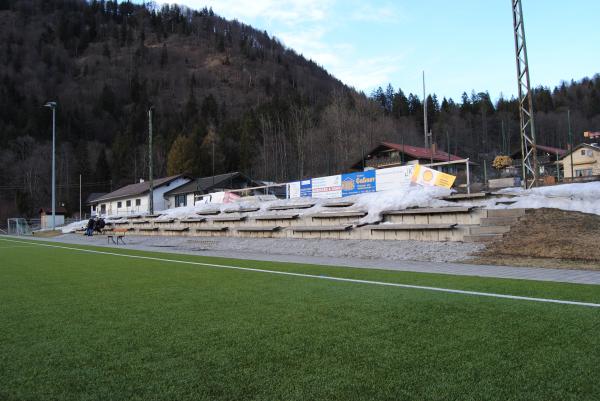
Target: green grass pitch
x=85 y=326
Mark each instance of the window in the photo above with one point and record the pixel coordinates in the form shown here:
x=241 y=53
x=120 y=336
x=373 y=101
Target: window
x=119 y=205
x=582 y=152
x=180 y=200
x=93 y=208
x=138 y=202
x=103 y=208
x=128 y=203
x=587 y=152
x=587 y=172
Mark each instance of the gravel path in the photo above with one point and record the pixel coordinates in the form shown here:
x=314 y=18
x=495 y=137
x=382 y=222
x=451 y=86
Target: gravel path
x=341 y=253
x=355 y=249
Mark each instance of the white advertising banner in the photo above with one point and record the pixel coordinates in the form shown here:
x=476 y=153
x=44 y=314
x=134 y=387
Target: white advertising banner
x=393 y=178
x=327 y=187
x=294 y=189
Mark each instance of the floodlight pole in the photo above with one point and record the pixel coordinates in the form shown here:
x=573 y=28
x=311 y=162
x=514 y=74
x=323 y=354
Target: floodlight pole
x=150 y=176
x=52 y=105
x=570 y=143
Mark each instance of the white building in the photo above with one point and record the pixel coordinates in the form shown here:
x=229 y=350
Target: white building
x=185 y=194
x=135 y=198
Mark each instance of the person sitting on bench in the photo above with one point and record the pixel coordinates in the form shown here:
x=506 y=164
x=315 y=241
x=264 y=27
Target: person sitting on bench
x=89 y=231
x=99 y=225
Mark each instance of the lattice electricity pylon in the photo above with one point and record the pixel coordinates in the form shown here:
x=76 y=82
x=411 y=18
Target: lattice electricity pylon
x=528 y=144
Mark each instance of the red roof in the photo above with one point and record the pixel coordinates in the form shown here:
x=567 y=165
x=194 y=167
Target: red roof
x=422 y=153
x=552 y=150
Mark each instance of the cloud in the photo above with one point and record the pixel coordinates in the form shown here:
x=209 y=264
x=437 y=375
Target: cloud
x=312 y=28
x=283 y=11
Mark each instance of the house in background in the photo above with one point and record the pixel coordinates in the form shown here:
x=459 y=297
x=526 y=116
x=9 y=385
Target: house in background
x=184 y=195
x=46 y=216
x=586 y=162
x=548 y=159
x=388 y=154
x=90 y=200
x=135 y=198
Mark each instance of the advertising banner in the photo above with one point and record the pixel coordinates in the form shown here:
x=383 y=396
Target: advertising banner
x=306 y=188
x=294 y=189
x=429 y=177
x=358 y=183
x=327 y=187
x=393 y=178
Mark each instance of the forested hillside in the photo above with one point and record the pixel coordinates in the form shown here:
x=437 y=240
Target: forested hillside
x=213 y=84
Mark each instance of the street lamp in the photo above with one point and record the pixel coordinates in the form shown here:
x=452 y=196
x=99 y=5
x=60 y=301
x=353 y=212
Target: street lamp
x=52 y=105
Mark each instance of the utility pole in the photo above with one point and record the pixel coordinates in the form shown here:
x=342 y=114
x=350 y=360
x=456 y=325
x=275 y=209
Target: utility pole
x=425 y=128
x=570 y=143
x=150 y=176
x=79 y=196
x=52 y=105
x=528 y=142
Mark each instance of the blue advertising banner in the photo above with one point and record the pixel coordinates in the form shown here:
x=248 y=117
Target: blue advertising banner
x=305 y=189
x=358 y=183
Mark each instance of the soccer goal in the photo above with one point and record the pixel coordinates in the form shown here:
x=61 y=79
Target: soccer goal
x=18 y=226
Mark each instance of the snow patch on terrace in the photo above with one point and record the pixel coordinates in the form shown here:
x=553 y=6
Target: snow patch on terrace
x=580 y=197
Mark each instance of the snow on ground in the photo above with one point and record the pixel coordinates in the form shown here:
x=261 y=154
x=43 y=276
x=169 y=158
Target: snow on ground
x=581 y=197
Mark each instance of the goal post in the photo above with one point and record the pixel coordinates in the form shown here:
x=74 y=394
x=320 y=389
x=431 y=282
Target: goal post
x=18 y=226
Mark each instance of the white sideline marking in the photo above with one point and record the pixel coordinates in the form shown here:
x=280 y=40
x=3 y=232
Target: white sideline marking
x=347 y=280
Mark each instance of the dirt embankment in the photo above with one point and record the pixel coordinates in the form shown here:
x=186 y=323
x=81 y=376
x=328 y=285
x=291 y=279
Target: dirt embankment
x=548 y=238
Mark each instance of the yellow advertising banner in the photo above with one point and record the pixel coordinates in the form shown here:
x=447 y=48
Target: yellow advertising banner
x=429 y=177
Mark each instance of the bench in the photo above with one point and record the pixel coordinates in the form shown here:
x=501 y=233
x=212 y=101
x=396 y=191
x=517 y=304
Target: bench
x=119 y=233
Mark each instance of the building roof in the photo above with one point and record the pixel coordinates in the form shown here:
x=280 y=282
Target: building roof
x=548 y=149
x=204 y=184
x=58 y=210
x=582 y=145
x=93 y=196
x=422 y=153
x=415 y=152
x=137 y=188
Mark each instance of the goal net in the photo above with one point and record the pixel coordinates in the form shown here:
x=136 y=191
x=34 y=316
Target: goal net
x=18 y=226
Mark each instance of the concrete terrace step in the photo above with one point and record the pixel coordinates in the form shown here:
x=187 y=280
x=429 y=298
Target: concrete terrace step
x=405 y=227
x=321 y=228
x=242 y=210
x=476 y=195
x=478 y=230
x=140 y=222
x=212 y=228
x=259 y=228
x=177 y=229
x=148 y=229
x=498 y=221
x=435 y=210
x=505 y=212
x=164 y=221
x=291 y=206
x=193 y=220
x=482 y=237
x=227 y=218
x=346 y=213
x=338 y=204
x=267 y=217
x=208 y=212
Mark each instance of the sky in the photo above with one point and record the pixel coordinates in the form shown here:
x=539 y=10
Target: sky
x=462 y=45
